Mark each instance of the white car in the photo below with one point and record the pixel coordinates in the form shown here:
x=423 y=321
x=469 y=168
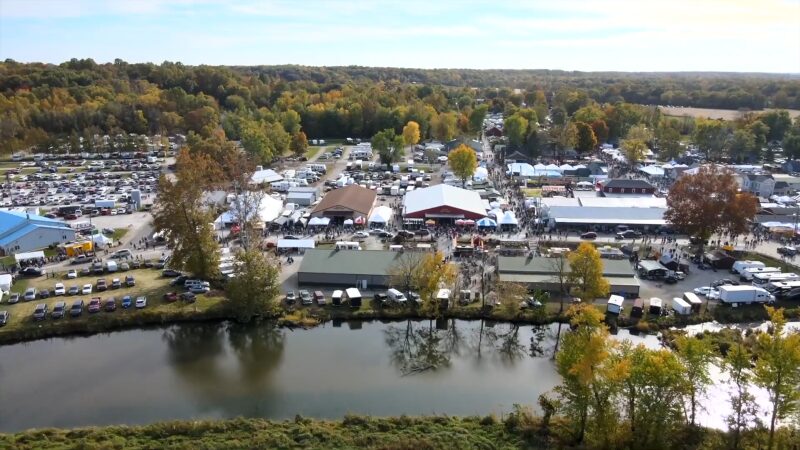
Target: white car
x=141 y=302
x=713 y=295
x=72 y=274
x=360 y=235
x=59 y=289
x=87 y=289
x=705 y=290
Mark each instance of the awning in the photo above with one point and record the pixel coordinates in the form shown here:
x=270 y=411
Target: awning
x=28 y=256
x=487 y=222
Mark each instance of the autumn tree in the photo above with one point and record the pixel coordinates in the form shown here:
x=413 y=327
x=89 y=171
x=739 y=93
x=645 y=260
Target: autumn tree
x=600 y=130
x=255 y=287
x=586 y=272
x=444 y=126
x=635 y=144
x=463 y=161
x=183 y=217
x=778 y=370
x=510 y=295
x=709 y=202
x=411 y=133
x=559 y=266
x=586 y=141
x=564 y=136
x=424 y=273
x=299 y=143
x=695 y=355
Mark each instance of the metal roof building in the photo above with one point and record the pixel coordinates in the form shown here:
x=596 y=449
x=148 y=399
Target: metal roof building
x=541 y=273
x=365 y=269
x=346 y=203
x=443 y=202
x=20 y=232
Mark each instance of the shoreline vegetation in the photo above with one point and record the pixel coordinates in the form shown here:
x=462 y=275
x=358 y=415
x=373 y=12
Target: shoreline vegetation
x=519 y=428
x=311 y=317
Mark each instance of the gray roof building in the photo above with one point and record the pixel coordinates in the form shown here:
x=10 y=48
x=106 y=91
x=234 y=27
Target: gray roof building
x=541 y=273
x=347 y=267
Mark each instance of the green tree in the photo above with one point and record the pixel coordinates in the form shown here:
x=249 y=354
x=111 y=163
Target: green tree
x=586 y=272
x=778 y=370
x=778 y=122
x=463 y=161
x=791 y=141
x=476 y=117
x=742 y=143
x=255 y=142
x=586 y=140
x=709 y=202
x=711 y=136
x=669 y=142
x=254 y=289
x=515 y=128
x=444 y=126
x=744 y=409
x=695 y=355
x=540 y=105
x=299 y=143
x=290 y=121
x=564 y=136
x=600 y=130
x=184 y=219
x=388 y=145
x=589 y=114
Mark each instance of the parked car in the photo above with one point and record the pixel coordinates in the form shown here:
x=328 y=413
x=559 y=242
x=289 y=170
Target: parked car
x=171 y=297
x=116 y=283
x=406 y=234
x=59 y=310
x=59 y=289
x=188 y=297
x=199 y=288
x=40 y=312
x=73 y=290
x=30 y=294
x=305 y=298
x=81 y=259
x=141 y=302
x=72 y=274
x=360 y=235
x=704 y=290
x=44 y=293
x=589 y=235
x=32 y=272
x=423 y=232
x=290 y=298
x=101 y=285
x=4 y=316
x=170 y=273
x=724 y=282
x=87 y=289
x=628 y=234
x=76 y=309
x=787 y=250
x=111 y=304
x=130 y=281
x=94 y=305
x=126 y=302
x=13 y=298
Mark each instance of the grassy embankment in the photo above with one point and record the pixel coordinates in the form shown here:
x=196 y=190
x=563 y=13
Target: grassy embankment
x=517 y=430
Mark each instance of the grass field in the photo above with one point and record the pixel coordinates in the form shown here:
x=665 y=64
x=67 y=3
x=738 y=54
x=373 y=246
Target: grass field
x=726 y=114
x=314 y=150
x=149 y=283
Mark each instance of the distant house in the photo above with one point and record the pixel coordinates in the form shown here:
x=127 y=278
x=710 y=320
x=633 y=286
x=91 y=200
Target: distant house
x=625 y=186
x=792 y=183
x=472 y=143
x=494 y=131
x=760 y=185
x=791 y=166
x=519 y=157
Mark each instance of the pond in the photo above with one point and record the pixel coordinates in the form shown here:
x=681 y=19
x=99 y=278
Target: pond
x=224 y=370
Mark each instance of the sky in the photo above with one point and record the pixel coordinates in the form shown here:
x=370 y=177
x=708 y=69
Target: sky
x=586 y=35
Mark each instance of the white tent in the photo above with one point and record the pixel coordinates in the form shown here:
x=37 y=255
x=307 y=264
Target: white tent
x=508 y=219
x=100 y=240
x=564 y=167
x=381 y=214
x=319 y=221
x=540 y=166
x=348 y=222
x=551 y=167
x=497 y=213
x=269 y=209
x=486 y=222
x=481 y=173
x=28 y=255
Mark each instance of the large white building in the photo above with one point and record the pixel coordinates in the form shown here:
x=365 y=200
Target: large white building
x=22 y=232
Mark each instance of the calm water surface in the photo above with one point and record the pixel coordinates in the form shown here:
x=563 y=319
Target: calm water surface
x=227 y=370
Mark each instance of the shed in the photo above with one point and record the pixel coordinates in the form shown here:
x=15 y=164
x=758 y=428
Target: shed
x=719 y=259
x=651 y=269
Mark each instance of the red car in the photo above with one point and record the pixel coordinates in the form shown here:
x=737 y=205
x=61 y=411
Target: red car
x=171 y=297
x=94 y=305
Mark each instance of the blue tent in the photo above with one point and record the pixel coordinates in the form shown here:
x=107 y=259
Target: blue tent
x=486 y=222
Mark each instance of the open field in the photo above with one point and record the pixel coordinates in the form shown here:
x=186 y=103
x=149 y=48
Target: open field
x=727 y=114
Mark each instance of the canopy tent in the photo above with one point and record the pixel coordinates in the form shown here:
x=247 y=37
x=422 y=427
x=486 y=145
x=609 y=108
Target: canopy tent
x=585 y=184
x=497 y=212
x=486 y=223
x=551 y=167
x=381 y=214
x=319 y=221
x=359 y=220
x=469 y=222
x=481 y=173
x=100 y=240
x=494 y=205
x=19 y=257
x=540 y=166
x=509 y=219
x=348 y=222
x=564 y=167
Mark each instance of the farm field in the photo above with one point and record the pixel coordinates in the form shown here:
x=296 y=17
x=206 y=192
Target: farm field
x=726 y=114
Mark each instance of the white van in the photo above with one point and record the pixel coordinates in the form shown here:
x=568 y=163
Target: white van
x=396 y=296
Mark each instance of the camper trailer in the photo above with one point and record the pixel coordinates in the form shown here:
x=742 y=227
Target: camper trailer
x=337 y=297
x=741 y=266
x=638 y=308
x=681 y=307
x=615 y=304
x=760 y=279
x=694 y=301
x=747 y=274
x=346 y=245
x=396 y=296
x=353 y=297
x=655 y=306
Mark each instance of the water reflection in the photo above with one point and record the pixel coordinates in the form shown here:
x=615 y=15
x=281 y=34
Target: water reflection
x=419 y=347
x=199 y=354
